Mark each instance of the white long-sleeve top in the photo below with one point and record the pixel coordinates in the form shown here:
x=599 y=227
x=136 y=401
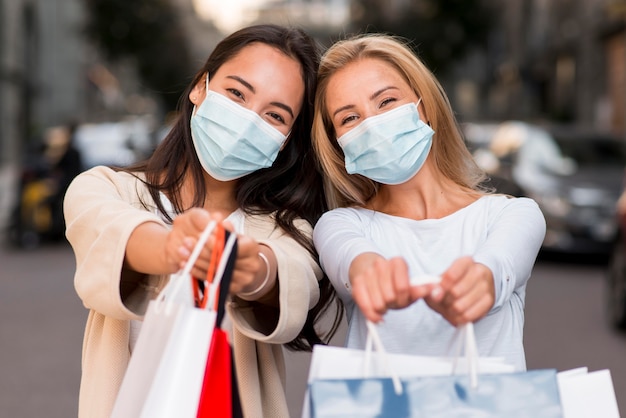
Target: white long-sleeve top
x=503 y=233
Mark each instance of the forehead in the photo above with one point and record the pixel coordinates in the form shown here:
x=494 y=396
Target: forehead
x=268 y=70
x=360 y=78
x=260 y=57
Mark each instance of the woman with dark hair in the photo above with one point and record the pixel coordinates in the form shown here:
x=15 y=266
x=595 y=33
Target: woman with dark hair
x=239 y=152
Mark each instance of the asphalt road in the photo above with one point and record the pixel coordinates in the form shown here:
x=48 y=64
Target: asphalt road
x=42 y=321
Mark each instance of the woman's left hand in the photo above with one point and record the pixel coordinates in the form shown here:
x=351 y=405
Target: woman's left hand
x=251 y=269
x=466 y=292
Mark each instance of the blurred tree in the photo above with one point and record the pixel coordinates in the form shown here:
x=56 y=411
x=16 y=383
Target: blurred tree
x=150 y=34
x=441 y=31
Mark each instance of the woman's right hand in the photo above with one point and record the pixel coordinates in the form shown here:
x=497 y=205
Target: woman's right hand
x=182 y=238
x=379 y=284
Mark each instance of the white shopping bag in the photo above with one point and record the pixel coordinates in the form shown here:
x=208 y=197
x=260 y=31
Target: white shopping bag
x=166 y=371
x=160 y=320
x=587 y=395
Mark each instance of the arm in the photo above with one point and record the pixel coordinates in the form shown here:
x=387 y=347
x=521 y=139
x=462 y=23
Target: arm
x=155 y=249
x=296 y=286
x=512 y=245
x=358 y=271
x=102 y=210
x=255 y=277
x=474 y=286
x=123 y=250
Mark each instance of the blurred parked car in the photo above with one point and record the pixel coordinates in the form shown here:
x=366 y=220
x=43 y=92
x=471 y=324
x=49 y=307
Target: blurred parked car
x=478 y=138
x=115 y=143
x=574 y=176
x=616 y=273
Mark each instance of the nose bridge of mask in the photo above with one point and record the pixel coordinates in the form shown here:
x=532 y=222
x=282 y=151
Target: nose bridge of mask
x=374 y=121
x=239 y=112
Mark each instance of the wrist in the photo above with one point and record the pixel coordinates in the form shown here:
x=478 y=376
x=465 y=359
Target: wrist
x=262 y=288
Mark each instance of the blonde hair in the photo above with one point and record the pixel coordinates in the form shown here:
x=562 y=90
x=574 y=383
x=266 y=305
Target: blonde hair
x=449 y=151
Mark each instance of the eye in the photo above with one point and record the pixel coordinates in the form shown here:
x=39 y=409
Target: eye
x=386 y=101
x=277 y=117
x=348 y=119
x=239 y=95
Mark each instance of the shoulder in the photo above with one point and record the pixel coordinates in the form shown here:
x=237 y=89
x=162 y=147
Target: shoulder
x=345 y=214
x=103 y=173
x=506 y=201
x=104 y=180
x=265 y=225
x=499 y=204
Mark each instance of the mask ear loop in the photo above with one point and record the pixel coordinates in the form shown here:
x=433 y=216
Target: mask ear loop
x=418 y=109
x=206 y=89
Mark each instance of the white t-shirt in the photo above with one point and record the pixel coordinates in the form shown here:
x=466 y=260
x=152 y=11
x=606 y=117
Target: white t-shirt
x=503 y=233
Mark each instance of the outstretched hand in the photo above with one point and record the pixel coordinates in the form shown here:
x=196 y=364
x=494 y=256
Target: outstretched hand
x=182 y=238
x=250 y=268
x=467 y=292
x=379 y=284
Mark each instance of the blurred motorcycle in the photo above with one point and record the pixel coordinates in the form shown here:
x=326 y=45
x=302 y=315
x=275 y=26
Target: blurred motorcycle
x=45 y=176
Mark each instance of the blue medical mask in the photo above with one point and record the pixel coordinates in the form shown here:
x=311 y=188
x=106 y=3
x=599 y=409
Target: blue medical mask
x=230 y=140
x=389 y=148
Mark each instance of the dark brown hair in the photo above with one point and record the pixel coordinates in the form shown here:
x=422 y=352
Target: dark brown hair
x=291 y=187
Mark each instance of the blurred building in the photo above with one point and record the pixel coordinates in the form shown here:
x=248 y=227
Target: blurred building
x=41 y=63
x=562 y=60
x=39 y=81
x=552 y=59
x=321 y=18
x=50 y=74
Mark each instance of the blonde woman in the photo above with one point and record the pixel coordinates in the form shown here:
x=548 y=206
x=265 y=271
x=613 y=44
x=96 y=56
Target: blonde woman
x=407 y=205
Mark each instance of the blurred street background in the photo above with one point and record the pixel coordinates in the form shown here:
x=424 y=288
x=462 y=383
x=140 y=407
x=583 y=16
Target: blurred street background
x=538 y=86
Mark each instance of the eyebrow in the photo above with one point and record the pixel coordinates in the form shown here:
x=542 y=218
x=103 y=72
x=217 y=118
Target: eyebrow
x=253 y=90
x=372 y=97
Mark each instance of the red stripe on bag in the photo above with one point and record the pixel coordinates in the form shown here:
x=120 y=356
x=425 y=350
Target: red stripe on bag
x=216 y=396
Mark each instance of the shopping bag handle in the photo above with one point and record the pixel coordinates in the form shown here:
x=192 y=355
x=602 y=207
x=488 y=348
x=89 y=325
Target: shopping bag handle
x=212 y=303
x=175 y=286
x=374 y=339
x=465 y=341
x=201 y=296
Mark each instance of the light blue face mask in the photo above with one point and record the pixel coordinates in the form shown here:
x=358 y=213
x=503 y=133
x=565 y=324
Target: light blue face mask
x=389 y=148
x=232 y=141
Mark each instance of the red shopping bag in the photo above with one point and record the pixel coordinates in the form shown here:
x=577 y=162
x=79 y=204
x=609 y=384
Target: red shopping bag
x=217 y=398
x=220 y=392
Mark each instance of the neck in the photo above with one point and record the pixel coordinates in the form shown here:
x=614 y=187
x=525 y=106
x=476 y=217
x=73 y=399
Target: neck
x=428 y=195
x=220 y=196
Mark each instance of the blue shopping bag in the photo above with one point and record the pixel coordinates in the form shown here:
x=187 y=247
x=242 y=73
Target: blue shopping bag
x=471 y=394
x=532 y=394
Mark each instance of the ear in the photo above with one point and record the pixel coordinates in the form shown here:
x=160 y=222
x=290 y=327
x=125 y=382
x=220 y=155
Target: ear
x=197 y=94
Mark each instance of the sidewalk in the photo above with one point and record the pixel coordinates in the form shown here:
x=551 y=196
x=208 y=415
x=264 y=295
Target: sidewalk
x=41 y=329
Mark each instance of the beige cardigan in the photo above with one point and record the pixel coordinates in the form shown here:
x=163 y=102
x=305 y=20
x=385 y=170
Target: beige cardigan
x=102 y=208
